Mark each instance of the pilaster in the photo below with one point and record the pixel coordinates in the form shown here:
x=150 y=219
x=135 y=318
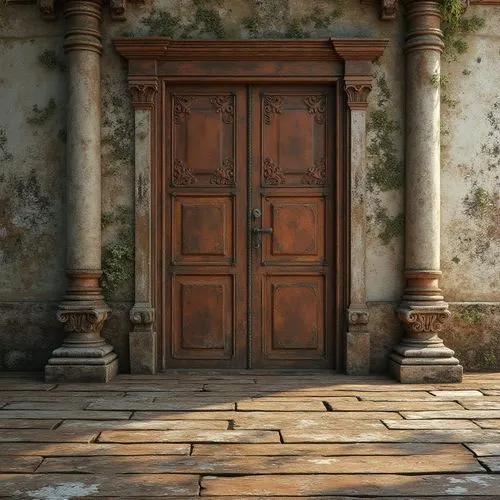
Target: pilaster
x=357 y=87
x=84 y=355
x=421 y=356
x=142 y=340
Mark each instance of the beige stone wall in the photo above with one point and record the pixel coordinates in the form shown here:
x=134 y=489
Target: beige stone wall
x=32 y=132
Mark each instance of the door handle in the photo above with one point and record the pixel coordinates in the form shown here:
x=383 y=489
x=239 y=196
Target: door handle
x=257 y=231
x=267 y=230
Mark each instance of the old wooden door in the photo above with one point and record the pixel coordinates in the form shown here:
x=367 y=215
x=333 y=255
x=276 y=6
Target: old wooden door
x=249 y=228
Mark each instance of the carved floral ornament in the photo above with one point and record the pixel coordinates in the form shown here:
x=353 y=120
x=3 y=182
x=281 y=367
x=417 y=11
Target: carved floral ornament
x=273 y=174
x=316 y=175
x=225 y=106
x=183 y=175
x=224 y=175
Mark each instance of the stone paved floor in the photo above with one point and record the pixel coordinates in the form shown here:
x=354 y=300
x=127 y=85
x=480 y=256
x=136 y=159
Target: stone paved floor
x=258 y=434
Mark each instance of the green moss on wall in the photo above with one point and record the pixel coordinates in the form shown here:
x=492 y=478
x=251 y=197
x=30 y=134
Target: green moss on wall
x=478 y=202
x=391 y=226
x=472 y=314
x=386 y=170
x=5 y=154
x=266 y=20
x=117 y=263
x=50 y=60
x=39 y=116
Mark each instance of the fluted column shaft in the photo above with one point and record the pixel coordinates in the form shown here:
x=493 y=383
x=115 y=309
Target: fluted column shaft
x=84 y=354
x=422 y=356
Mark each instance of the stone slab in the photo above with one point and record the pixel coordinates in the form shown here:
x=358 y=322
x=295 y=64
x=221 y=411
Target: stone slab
x=130 y=386
x=179 y=404
x=144 y=424
x=488 y=423
x=484 y=403
x=492 y=463
x=326 y=449
x=19 y=464
x=260 y=415
x=60 y=486
x=64 y=414
x=396 y=396
x=389 y=436
x=392 y=405
x=93 y=449
x=430 y=424
x=28 y=423
x=314 y=421
x=57 y=396
x=47 y=405
x=484 y=449
x=450 y=414
x=43 y=436
x=291 y=406
x=352 y=484
x=457 y=394
x=190 y=436
x=261 y=465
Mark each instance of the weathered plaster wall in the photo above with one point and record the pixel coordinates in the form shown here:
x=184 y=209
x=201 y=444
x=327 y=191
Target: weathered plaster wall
x=32 y=224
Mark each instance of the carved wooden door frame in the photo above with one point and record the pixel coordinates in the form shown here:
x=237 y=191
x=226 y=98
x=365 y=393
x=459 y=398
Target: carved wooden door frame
x=342 y=62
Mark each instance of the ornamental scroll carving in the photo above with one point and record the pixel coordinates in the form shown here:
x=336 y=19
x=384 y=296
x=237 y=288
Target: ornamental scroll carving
x=418 y=322
x=143 y=93
x=273 y=105
x=142 y=315
x=83 y=321
x=224 y=175
x=182 y=107
x=273 y=174
x=316 y=106
x=183 y=175
x=357 y=95
x=316 y=175
x=224 y=105
x=358 y=317
x=388 y=9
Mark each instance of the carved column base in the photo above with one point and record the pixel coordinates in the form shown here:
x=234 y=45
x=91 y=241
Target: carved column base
x=357 y=360
x=422 y=357
x=84 y=356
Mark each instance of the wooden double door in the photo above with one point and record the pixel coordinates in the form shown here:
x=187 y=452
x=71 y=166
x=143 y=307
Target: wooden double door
x=249 y=226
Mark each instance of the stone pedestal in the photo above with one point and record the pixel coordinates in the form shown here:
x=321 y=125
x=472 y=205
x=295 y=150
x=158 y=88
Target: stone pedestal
x=422 y=356
x=84 y=355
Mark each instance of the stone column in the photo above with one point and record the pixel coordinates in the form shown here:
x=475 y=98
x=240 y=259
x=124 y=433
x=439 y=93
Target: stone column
x=422 y=356
x=142 y=340
x=84 y=355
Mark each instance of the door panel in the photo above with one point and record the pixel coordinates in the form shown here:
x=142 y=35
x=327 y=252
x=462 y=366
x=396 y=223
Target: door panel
x=213 y=184
x=292 y=134
x=206 y=248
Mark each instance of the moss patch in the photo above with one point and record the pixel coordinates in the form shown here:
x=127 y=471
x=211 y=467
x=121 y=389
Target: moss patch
x=39 y=115
x=392 y=226
x=50 y=60
x=478 y=202
x=472 y=314
x=117 y=263
x=5 y=154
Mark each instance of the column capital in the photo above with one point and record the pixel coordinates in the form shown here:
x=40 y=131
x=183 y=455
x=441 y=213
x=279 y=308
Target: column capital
x=357 y=94
x=143 y=92
x=423 y=26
